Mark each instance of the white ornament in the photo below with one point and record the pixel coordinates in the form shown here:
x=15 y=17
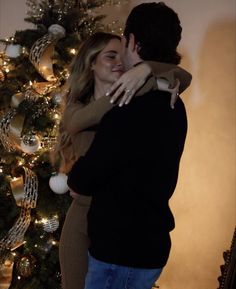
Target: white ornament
x=58 y=183
x=50 y=225
x=30 y=144
x=57 y=30
x=13 y=50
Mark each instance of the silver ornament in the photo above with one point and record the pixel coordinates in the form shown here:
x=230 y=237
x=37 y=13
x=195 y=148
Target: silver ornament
x=51 y=225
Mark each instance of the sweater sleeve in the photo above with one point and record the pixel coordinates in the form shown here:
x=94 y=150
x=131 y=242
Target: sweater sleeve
x=170 y=72
x=77 y=118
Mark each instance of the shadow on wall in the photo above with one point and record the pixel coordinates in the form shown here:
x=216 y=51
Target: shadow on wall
x=204 y=206
x=215 y=128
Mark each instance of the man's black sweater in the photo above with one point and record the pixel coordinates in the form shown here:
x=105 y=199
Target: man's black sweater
x=131 y=170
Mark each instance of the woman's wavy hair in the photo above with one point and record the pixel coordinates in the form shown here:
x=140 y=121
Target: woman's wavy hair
x=79 y=88
x=80 y=84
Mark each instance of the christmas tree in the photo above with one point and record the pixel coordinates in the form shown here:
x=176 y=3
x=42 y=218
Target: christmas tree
x=33 y=196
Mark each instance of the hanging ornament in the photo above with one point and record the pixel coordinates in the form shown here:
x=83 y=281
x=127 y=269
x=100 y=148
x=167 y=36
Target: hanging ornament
x=42 y=51
x=56 y=96
x=26 y=265
x=13 y=50
x=58 y=183
x=30 y=143
x=50 y=225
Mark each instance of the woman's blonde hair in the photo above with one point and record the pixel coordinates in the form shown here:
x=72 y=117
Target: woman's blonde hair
x=80 y=84
x=80 y=88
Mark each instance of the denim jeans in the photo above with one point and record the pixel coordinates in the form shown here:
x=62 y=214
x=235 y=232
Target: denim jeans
x=110 y=276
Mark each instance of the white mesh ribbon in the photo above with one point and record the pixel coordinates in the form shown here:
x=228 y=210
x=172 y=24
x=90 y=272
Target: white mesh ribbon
x=41 y=52
x=15 y=236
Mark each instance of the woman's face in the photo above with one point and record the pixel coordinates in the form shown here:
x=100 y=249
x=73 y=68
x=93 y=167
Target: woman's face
x=107 y=67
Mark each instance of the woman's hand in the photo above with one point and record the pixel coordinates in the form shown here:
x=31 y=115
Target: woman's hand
x=123 y=90
x=174 y=91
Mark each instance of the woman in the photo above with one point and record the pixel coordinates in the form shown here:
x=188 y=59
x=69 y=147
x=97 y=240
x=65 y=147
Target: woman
x=93 y=72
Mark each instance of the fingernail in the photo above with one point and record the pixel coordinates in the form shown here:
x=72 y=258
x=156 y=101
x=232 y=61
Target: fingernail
x=111 y=101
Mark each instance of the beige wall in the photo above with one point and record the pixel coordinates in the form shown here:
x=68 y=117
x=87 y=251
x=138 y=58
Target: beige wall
x=204 y=203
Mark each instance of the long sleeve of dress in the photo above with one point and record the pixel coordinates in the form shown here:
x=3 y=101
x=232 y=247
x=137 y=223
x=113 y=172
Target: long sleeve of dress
x=170 y=72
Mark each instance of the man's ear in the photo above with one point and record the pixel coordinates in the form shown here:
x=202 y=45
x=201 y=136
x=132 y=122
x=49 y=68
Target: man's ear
x=132 y=42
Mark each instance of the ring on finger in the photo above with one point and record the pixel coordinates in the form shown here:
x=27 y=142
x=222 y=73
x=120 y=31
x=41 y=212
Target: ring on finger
x=128 y=91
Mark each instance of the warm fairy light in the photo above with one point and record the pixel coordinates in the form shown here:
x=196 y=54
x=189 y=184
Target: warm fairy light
x=73 y=51
x=54 y=242
x=18 y=277
x=13 y=254
x=7 y=70
x=1 y=170
x=30 y=83
x=36 y=245
x=44 y=220
x=56 y=116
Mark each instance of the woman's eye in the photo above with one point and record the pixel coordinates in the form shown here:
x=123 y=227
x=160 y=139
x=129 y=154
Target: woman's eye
x=111 y=56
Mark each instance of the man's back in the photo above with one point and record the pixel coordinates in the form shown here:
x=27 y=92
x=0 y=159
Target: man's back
x=131 y=171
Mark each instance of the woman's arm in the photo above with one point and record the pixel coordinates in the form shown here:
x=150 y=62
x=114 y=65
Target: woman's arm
x=170 y=72
x=77 y=118
x=144 y=77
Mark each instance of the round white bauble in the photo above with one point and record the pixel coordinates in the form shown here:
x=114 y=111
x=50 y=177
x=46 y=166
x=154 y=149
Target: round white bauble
x=13 y=50
x=58 y=183
x=30 y=143
x=57 y=30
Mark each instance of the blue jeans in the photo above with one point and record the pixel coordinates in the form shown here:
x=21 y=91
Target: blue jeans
x=110 y=276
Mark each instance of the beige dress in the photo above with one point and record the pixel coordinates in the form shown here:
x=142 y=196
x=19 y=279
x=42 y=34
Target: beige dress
x=74 y=242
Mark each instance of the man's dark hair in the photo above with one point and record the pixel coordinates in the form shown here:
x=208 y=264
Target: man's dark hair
x=157 y=31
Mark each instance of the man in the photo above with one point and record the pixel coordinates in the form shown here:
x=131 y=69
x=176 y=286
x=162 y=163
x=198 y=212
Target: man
x=131 y=169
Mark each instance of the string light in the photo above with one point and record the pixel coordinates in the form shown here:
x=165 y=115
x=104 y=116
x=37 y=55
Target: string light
x=73 y=51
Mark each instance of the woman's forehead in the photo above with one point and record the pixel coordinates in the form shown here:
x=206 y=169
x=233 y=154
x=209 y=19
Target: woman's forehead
x=113 y=45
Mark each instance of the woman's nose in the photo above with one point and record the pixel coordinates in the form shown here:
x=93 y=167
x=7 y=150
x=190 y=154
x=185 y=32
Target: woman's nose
x=119 y=64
